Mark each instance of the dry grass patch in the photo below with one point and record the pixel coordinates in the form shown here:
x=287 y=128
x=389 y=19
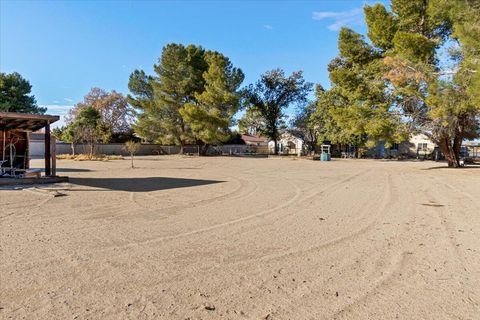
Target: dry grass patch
x=87 y=157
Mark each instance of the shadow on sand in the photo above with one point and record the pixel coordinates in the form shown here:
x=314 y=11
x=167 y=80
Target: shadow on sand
x=140 y=184
x=73 y=170
x=466 y=167
x=69 y=170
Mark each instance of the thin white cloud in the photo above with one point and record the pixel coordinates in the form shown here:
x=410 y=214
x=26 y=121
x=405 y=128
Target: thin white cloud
x=348 y=18
x=268 y=27
x=56 y=109
x=68 y=99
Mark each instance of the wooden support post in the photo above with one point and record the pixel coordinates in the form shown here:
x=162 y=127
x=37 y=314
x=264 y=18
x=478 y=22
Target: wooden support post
x=27 y=152
x=53 y=151
x=48 y=159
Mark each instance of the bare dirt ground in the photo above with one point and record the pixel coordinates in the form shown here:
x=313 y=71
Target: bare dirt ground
x=245 y=238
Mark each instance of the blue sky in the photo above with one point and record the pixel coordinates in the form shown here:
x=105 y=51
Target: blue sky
x=65 y=48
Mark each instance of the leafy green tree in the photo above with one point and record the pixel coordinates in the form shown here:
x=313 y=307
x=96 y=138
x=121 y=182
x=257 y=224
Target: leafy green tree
x=251 y=122
x=57 y=132
x=212 y=114
x=436 y=96
x=192 y=97
x=179 y=76
x=304 y=124
x=143 y=101
x=359 y=101
x=112 y=106
x=132 y=147
x=382 y=26
x=69 y=134
x=272 y=94
x=400 y=83
x=322 y=119
x=90 y=128
x=73 y=135
x=15 y=95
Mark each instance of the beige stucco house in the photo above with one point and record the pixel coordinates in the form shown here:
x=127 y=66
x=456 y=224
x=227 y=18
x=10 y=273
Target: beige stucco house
x=288 y=143
x=419 y=145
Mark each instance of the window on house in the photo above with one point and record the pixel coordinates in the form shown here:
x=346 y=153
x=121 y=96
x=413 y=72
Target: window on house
x=394 y=147
x=422 y=147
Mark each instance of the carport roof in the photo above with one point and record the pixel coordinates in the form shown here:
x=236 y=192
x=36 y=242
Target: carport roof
x=23 y=121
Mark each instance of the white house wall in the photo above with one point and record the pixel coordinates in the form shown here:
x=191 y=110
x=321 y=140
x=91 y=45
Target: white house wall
x=410 y=147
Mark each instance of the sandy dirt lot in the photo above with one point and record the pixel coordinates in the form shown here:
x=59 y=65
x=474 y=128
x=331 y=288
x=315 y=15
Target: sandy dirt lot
x=233 y=238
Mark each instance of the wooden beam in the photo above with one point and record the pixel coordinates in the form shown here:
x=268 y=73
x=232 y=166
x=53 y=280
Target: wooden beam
x=48 y=159
x=15 y=115
x=26 y=122
x=13 y=123
x=24 y=125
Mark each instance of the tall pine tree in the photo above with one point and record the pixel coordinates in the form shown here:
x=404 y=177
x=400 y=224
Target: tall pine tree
x=191 y=98
x=15 y=95
x=211 y=115
x=402 y=83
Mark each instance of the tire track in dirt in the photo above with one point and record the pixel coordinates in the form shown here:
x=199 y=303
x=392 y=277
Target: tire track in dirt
x=296 y=198
x=173 y=210
x=396 y=266
x=113 y=210
x=323 y=190
x=294 y=253
x=186 y=234
x=385 y=281
x=31 y=210
x=287 y=303
x=451 y=187
x=395 y=260
x=447 y=225
x=325 y=245
x=358 y=232
x=336 y=184
x=166 y=238
x=292 y=200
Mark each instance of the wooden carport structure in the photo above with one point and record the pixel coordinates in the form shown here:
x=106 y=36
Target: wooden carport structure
x=14 y=133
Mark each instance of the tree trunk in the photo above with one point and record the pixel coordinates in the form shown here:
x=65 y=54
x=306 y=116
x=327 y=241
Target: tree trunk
x=72 y=146
x=276 y=147
x=92 y=149
x=451 y=152
x=457 y=145
x=204 y=149
x=131 y=156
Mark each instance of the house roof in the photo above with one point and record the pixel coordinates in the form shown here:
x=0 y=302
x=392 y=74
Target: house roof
x=475 y=143
x=294 y=133
x=250 y=138
x=26 y=122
